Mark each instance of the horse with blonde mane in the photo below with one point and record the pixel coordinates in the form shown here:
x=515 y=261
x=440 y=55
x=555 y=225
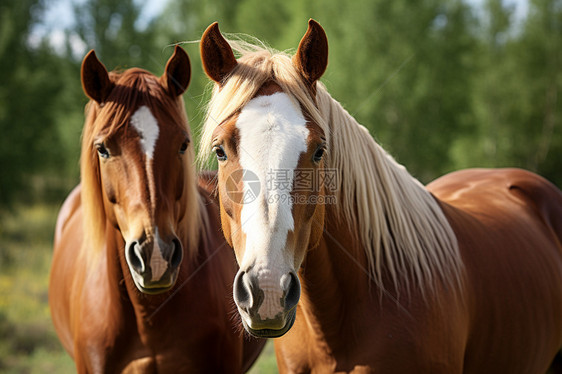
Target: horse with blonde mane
x=351 y=262
x=141 y=277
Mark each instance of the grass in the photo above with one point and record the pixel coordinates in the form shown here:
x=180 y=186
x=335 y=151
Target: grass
x=28 y=342
x=266 y=363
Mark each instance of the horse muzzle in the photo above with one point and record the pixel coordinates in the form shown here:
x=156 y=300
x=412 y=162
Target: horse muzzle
x=154 y=264
x=266 y=301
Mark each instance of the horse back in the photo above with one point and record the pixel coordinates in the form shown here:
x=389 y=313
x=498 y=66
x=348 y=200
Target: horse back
x=508 y=224
x=69 y=207
x=503 y=192
x=544 y=197
x=67 y=240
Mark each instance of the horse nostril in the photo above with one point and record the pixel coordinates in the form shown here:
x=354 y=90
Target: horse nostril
x=293 y=291
x=134 y=258
x=177 y=253
x=242 y=291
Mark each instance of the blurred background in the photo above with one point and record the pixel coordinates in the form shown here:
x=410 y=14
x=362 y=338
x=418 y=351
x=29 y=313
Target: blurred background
x=441 y=84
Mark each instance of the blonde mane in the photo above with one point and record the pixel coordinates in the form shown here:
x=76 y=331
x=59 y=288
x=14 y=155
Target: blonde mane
x=133 y=88
x=399 y=223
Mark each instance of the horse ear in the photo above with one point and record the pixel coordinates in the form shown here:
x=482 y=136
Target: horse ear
x=177 y=74
x=311 y=58
x=216 y=54
x=95 y=79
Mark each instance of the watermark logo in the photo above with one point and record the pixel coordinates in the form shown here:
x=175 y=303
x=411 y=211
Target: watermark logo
x=302 y=186
x=235 y=190
x=302 y=180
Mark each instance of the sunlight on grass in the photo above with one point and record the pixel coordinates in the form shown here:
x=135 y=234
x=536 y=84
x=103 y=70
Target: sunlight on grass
x=28 y=343
x=266 y=363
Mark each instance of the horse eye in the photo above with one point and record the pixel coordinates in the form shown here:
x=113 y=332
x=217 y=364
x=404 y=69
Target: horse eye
x=219 y=150
x=102 y=151
x=183 y=147
x=318 y=154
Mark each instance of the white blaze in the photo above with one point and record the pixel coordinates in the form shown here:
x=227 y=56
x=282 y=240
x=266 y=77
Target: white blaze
x=146 y=125
x=273 y=135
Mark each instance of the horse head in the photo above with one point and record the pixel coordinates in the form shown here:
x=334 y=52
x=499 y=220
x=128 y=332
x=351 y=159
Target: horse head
x=136 y=165
x=270 y=151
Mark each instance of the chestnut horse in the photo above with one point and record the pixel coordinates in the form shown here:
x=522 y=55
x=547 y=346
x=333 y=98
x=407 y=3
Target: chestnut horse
x=377 y=272
x=141 y=279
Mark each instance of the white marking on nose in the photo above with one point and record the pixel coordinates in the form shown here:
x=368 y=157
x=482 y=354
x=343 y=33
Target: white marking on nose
x=146 y=125
x=158 y=264
x=273 y=135
x=273 y=293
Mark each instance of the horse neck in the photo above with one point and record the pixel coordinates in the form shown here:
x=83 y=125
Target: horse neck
x=200 y=240
x=146 y=307
x=195 y=217
x=211 y=246
x=383 y=227
x=400 y=225
x=337 y=264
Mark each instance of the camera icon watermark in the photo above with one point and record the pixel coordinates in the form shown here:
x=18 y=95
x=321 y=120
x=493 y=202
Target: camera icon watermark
x=302 y=186
x=243 y=193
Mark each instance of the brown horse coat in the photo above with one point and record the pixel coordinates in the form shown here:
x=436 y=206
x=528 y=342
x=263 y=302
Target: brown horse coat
x=461 y=276
x=101 y=316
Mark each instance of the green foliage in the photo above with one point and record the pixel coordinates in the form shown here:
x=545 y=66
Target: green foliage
x=404 y=72
x=266 y=362
x=441 y=86
x=516 y=110
x=110 y=28
x=184 y=22
x=28 y=343
x=28 y=95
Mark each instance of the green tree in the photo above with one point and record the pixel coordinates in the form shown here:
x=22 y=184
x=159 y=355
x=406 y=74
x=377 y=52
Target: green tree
x=28 y=91
x=484 y=144
x=111 y=28
x=184 y=22
x=515 y=99
x=405 y=72
x=441 y=85
x=539 y=146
